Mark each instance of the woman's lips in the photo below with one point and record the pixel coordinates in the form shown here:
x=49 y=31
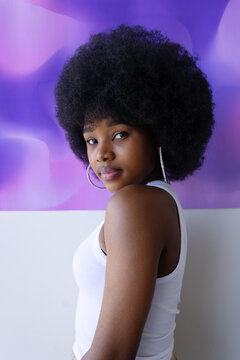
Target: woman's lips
x=110 y=175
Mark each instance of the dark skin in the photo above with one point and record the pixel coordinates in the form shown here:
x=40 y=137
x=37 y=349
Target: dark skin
x=133 y=262
x=112 y=144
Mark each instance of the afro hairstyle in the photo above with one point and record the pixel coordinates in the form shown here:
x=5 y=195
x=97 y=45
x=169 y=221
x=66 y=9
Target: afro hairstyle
x=140 y=78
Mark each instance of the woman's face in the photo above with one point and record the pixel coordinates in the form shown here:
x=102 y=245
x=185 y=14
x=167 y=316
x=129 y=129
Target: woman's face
x=121 y=155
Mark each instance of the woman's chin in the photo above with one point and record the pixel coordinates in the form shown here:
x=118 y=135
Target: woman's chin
x=111 y=187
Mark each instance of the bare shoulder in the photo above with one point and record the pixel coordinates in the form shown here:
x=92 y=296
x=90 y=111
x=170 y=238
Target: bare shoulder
x=139 y=192
x=141 y=208
x=142 y=200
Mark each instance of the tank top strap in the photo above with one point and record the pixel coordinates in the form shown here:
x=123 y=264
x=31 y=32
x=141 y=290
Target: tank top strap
x=183 y=230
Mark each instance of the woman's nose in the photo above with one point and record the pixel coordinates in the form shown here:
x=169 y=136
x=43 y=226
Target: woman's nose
x=104 y=154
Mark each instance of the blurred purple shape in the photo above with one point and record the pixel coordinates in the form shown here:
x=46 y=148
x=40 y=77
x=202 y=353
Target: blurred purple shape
x=223 y=56
x=12 y=160
x=30 y=35
x=154 y=15
x=38 y=170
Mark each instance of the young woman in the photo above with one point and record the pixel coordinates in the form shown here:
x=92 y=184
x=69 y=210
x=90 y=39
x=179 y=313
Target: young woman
x=137 y=111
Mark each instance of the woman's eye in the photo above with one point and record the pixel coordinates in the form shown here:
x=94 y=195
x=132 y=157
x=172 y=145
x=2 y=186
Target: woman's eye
x=122 y=134
x=89 y=141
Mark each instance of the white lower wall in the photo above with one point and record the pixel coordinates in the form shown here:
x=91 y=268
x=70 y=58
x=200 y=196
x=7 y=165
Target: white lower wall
x=38 y=292
x=208 y=327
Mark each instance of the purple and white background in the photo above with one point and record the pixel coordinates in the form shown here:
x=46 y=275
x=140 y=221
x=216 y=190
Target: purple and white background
x=38 y=171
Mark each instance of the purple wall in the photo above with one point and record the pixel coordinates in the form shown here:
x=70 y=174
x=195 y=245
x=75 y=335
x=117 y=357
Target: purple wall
x=38 y=170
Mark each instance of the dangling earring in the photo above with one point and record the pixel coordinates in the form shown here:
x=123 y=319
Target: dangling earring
x=162 y=165
x=88 y=176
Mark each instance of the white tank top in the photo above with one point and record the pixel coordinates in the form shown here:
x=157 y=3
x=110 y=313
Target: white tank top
x=89 y=265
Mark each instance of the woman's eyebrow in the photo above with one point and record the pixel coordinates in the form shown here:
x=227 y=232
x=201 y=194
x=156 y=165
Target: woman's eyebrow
x=90 y=128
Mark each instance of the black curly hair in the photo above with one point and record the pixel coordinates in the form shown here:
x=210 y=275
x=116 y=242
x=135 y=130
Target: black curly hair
x=141 y=78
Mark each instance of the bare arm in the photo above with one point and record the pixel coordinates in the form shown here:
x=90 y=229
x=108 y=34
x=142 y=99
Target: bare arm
x=132 y=235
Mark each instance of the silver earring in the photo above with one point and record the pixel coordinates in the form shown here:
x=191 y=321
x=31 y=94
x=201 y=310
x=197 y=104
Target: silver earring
x=162 y=165
x=88 y=176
